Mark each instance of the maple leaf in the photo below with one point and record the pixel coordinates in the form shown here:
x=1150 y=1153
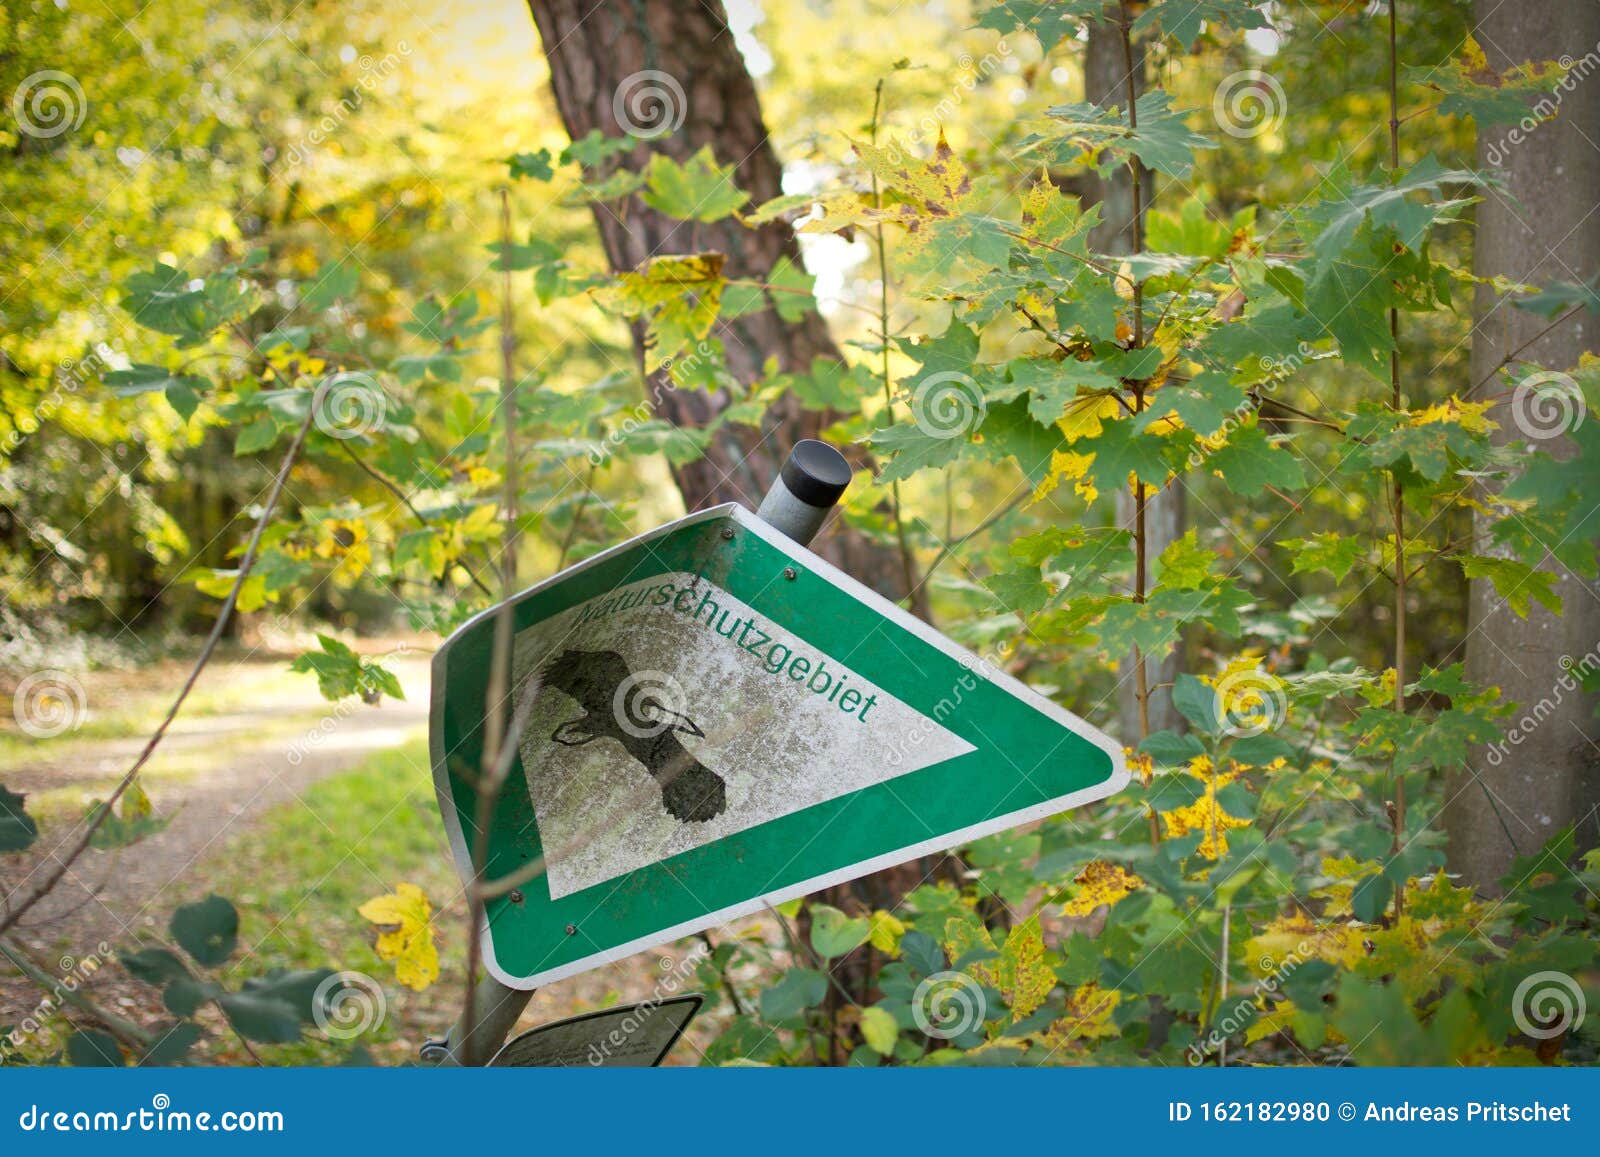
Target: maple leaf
x=409 y=937
x=1205 y=814
x=1100 y=882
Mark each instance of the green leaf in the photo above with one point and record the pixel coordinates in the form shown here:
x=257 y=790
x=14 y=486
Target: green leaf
x=153 y=965
x=699 y=190
x=1391 y=205
x=261 y=1017
x=834 y=934
x=1022 y=591
x=296 y=988
x=334 y=282
x=791 y=290
x=185 y=995
x=17 y=828
x=1119 y=450
x=798 y=990
x=1152 y=626
x=257 y=436
x=1249 y=463
x=1050 y=21
x=1197 y=702
x=89 y=1048
x=1163 y=141
x=208 y=930
x=534 y=166
x=1184 y=20
x=1328 y=550
x=173 y=1043
x=912 y=449
x=1516 y=582
x=1370 y=898
x=1169 y=749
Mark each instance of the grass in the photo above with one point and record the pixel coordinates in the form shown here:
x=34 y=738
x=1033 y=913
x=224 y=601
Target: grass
x=299 y=874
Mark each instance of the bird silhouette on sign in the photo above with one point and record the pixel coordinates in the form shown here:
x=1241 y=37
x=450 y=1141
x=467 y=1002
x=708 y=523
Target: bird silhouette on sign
x=647 y=729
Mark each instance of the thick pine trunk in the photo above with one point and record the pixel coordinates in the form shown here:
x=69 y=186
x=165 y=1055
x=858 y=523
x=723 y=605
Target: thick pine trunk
x=1540 y=228
x=594 y=50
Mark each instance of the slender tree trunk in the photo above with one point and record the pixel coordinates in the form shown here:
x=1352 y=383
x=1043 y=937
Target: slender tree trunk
x=597 y=50
x=1105 y=81
x=1541 y=227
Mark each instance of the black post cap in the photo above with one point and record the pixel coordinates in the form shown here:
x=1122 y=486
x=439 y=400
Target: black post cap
x=816 y=473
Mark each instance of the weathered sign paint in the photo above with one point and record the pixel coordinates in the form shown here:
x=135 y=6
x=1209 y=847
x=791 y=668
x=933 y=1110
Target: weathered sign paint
x=710 y=719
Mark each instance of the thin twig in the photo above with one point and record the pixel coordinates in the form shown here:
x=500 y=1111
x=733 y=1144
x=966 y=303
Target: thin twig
x=389 y=485
x=136 y=1038
x=495 y=745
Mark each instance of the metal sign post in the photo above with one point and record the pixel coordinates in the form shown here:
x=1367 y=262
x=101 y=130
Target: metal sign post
x=713 y=719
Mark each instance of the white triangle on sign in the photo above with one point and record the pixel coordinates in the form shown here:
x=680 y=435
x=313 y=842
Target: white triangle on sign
x=667 y=714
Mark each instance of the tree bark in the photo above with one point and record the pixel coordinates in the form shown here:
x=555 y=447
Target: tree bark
x=1540 y=227
x=595 y=50
x=1105 y=82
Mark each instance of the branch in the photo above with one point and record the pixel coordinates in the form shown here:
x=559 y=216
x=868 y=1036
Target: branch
x=64 y=864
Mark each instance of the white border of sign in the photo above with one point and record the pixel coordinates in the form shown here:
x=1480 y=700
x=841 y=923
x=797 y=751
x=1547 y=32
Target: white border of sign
x=874 y=602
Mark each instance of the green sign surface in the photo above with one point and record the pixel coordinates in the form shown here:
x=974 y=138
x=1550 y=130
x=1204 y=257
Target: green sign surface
x=710 y=719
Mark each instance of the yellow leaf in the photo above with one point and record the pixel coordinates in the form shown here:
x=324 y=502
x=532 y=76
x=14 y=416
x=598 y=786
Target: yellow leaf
x=885 y=933
x=135 y=802
x=1066 y=464
x=408 y=940
x=1099 y=883
x=1088 y=1014
x=1205 y=814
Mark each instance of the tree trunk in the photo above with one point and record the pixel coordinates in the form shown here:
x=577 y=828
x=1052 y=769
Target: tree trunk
x=1540 y=228
x=1105 y=82
x=597 y=52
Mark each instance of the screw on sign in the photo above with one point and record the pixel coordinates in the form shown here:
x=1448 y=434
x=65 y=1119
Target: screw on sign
x=710 y=719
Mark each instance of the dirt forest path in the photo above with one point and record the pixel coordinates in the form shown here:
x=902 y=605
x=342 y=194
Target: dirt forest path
x=265 y=740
